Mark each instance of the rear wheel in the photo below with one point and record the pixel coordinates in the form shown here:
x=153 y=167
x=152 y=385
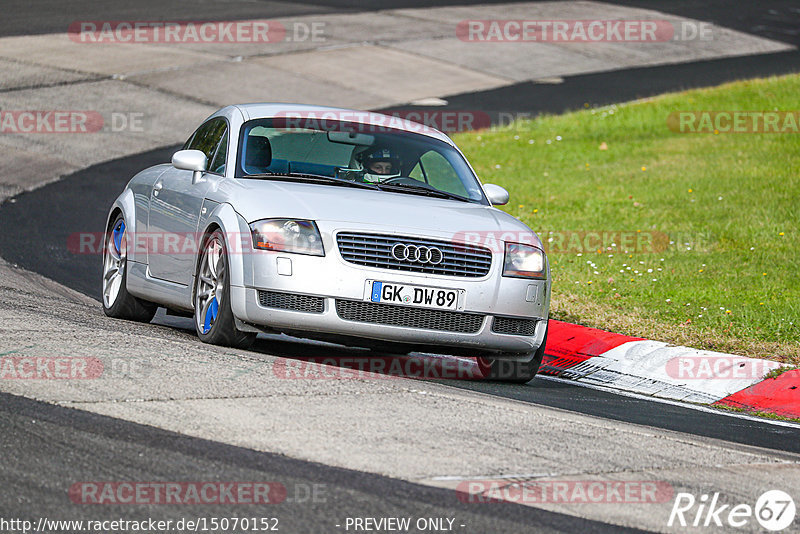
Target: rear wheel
x=117 y=302
x=510 y=371
x=213 y=318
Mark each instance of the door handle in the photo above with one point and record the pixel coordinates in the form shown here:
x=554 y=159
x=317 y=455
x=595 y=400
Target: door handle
x=157 y=187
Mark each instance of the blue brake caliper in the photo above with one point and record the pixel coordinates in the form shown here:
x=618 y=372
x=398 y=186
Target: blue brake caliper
x=118 y=231
x=211 y=315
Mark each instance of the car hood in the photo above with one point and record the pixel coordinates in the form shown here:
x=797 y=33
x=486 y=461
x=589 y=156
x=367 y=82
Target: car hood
x=343 y=207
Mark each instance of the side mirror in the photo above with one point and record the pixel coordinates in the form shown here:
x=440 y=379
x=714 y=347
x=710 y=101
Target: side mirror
x=191 y=160
x=498 y=196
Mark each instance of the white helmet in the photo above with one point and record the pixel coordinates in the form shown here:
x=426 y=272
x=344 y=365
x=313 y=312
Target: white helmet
x=371 y=161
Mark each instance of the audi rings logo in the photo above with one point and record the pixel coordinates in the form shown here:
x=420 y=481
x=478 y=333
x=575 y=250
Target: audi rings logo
x=417 y=254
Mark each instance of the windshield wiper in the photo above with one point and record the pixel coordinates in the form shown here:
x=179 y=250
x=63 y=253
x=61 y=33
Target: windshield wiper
x=421 y=190
x=318 y=178
x=398 y=188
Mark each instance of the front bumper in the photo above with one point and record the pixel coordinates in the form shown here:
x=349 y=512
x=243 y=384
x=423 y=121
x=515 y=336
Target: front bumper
x=330 y=280
x=329 y=322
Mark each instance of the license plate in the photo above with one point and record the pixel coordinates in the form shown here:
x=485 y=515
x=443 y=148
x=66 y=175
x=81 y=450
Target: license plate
x=416 y=296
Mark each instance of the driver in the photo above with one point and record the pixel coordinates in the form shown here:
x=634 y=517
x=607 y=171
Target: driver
x=381 y=164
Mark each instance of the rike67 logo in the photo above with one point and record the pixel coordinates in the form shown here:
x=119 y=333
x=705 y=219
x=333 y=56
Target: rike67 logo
x=774 y=510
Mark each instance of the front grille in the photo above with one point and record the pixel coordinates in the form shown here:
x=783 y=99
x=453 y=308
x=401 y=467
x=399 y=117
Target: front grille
x=290 y=301
x=517 y=327
x=387 y=314
x=373 y=250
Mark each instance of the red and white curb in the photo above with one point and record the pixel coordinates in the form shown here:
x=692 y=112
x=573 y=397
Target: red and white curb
x=653 y=368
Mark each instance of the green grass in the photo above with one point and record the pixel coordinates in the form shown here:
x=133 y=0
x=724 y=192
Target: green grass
x=730 y=204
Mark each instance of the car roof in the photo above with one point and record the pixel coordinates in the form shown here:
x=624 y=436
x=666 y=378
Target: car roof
x=275 y=109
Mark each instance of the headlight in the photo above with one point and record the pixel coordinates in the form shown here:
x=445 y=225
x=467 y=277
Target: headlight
x=287 y=235
x=524 y=261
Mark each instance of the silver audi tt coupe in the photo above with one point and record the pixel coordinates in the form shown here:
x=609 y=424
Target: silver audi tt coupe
x=342 y=225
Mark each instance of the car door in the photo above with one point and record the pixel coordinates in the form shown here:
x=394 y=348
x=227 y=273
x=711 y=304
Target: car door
x=176 y=204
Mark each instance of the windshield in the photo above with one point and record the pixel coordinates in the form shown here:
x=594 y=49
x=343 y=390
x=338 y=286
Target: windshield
x=388 y=159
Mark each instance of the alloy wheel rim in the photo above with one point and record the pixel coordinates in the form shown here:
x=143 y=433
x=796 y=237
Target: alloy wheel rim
x=210 y=283
x=114 y=262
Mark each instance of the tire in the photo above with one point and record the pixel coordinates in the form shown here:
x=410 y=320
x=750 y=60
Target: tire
x=512 y=372
x=213 y=317
x=117 y=302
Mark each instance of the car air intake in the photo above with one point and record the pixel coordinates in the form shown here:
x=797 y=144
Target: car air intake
x=290 y=301
x=414 y=254
x=408 y=317
x=513 y=326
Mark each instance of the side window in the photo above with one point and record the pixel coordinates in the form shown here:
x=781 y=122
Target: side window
x=218 y=165
x=417 y=173
x=207 y=137
x=441 y=174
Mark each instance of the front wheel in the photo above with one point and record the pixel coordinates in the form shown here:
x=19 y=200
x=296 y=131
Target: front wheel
x=117 y=302
x=510 y=371
x=213 y=318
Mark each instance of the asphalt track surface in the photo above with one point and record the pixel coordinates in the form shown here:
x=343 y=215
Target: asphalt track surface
x=23 y=17
x=48 y=448
x=604 y=88
x=772 y=19
x=79 y=203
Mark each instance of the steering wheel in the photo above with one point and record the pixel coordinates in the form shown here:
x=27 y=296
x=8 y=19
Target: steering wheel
x=402 y=180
